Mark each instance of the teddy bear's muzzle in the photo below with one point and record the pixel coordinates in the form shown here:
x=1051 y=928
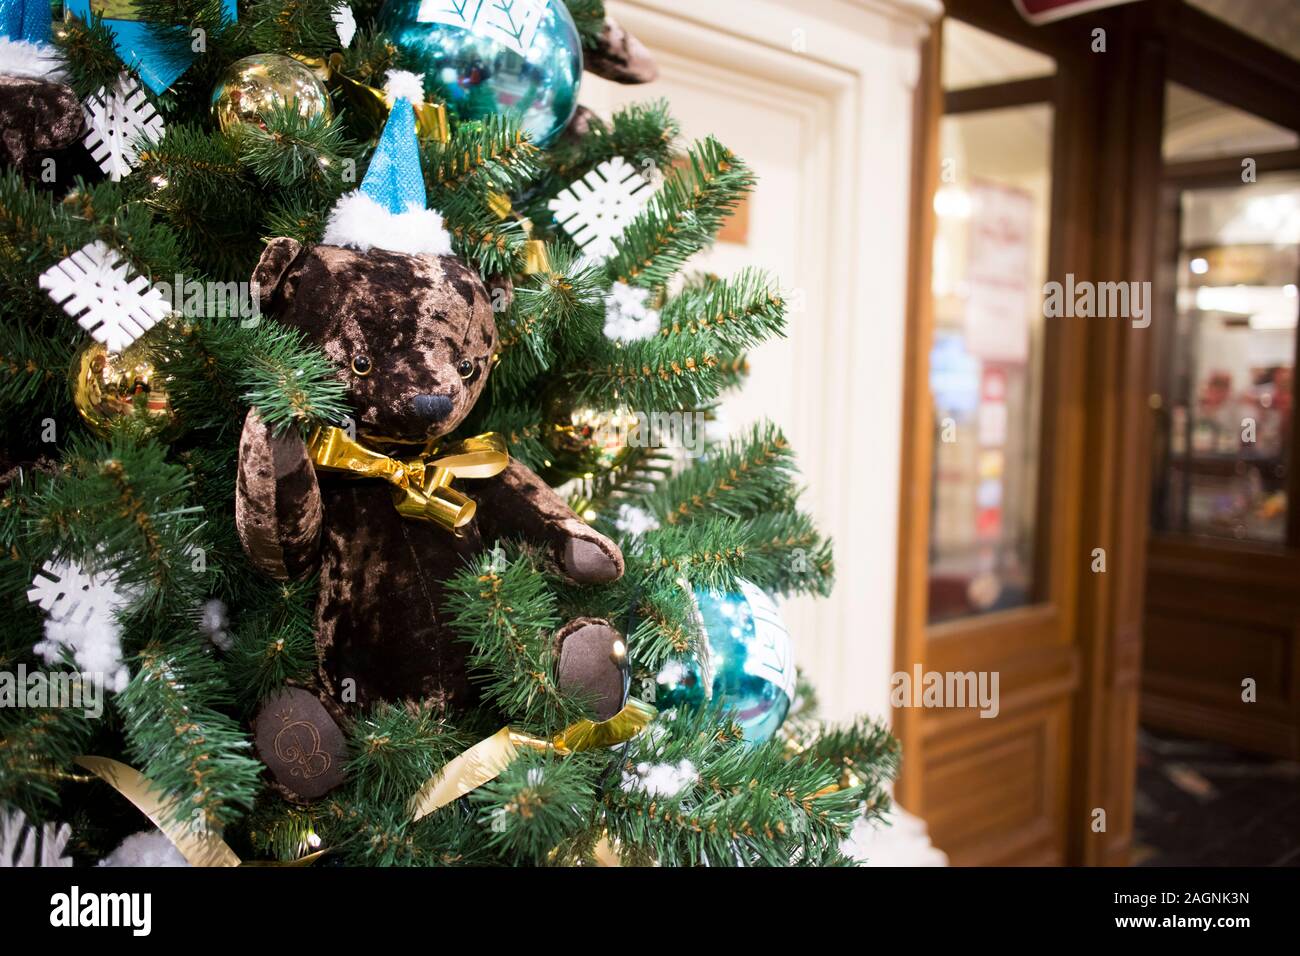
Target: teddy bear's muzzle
x=433 y=407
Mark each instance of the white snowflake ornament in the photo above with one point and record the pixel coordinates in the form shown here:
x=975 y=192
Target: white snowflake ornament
x=595 y=209
x=99 y=289
x=24 y=844
x=81 y=609
x=116 y=120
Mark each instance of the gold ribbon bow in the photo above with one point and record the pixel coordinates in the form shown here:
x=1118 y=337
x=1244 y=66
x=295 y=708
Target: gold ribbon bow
x=487 y=758
x=421 y=487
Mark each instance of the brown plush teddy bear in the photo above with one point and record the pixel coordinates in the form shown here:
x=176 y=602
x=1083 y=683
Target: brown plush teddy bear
x=413 y=336
x=39 y=115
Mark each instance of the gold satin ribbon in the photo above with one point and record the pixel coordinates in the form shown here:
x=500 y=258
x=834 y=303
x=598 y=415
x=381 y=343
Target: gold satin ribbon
x=487 y=758
x=421 y=487
x=200 y=848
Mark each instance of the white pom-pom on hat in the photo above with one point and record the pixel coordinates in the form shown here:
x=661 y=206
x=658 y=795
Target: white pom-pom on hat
x=361 y=223
x=36 y=61
x=404 y=85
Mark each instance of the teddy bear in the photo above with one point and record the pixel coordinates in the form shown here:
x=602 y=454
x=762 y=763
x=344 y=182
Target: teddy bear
x=413 y=337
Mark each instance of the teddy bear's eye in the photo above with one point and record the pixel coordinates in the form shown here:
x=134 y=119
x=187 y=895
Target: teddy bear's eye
x=361 y=365
x=466 y=368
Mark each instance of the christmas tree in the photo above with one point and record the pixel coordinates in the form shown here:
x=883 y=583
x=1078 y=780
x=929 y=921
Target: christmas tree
x=158 y=409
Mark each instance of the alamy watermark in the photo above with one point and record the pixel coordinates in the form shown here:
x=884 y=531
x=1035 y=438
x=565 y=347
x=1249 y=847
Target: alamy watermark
x=1101 y=300
x=196 y=300
x=58 y=689
x=685 y=430
x=948 y=689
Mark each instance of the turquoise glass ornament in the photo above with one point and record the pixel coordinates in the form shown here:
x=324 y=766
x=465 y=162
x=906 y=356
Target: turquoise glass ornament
x=521 y=58
x=746 y=664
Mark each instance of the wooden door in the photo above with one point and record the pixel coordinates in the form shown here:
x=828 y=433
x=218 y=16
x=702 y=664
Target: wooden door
x=1223 y=584
x=991 y=550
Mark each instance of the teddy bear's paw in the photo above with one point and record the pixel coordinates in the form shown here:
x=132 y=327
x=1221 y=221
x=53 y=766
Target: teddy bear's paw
x=590 y=558
x=592 y=660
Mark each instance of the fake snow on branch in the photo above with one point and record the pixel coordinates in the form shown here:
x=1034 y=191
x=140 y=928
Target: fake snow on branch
x=81 y=610
x=116 y=121
x=596 y=209
x=99 y=289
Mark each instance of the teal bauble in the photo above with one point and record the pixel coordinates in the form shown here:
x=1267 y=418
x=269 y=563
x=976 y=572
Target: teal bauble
x=520 y=58
x=746 y=663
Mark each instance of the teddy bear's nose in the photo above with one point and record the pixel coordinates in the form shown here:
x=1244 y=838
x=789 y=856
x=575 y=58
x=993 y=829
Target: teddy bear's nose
x=433 y=407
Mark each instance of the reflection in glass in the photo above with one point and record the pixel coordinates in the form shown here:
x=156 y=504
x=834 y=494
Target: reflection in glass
x=990 y=263
x=1223 y=440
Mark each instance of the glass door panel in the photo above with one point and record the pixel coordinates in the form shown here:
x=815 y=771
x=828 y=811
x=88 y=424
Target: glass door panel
x=1225 y=447
x=990 y=263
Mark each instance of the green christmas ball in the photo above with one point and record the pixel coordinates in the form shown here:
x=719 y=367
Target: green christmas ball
x=519 y=58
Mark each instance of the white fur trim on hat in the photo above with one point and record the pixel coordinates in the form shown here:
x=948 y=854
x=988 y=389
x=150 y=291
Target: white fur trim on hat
x=402 y=84
x=361 y=223
x=37 y=61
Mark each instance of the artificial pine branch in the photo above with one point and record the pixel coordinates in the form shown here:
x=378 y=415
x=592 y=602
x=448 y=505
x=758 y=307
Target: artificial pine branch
x=739 y=313
x=29 y=365
x=788 y=555
x=89 y=56
x=492 y=245
x=119 y=506
x=505 y=612
x=293 y=26
x=289 y=382
x=709 y=553
x=396 y=749
x=274 y=644
x=486 y=156
x=520 y=425
x=654 y=374
x=538 y=802
x=178 y=738
x=752 y=475
x=682 y=217
x=294 y=150
x=589 y=18
x=36 y=751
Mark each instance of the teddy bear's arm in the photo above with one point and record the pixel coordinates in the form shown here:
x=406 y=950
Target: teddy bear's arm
x=517 y=502
x=277 y=501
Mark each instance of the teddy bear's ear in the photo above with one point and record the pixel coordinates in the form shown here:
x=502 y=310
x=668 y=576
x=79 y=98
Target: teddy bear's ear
x=277 y=259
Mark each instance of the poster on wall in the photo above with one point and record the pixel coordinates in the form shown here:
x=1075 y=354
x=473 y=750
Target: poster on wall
x=999 y=293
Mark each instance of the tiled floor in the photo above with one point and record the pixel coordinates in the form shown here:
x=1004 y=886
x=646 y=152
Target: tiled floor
x=1207 y=804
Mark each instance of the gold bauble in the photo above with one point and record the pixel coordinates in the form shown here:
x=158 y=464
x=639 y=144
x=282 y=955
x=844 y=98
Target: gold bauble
x=251 y=88
x=111 y=387
x=584 y=441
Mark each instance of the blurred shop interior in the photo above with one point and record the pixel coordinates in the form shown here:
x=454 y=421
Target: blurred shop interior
x=1110 y=518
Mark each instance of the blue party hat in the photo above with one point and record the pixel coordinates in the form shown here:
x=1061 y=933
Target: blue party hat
x=389 y=211
x=26 y=20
